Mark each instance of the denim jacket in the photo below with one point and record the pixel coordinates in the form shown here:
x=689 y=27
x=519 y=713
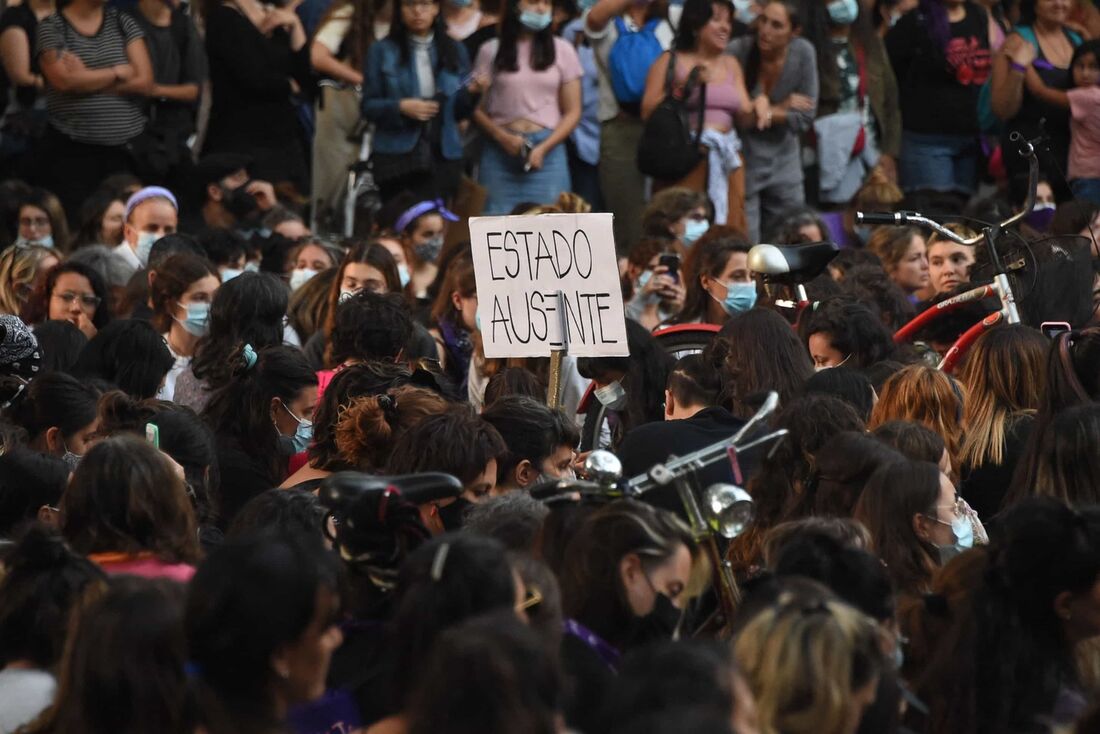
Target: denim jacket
x=386 y=81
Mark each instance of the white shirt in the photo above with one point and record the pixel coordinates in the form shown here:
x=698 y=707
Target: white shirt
x=182 y=363
x=24 y=694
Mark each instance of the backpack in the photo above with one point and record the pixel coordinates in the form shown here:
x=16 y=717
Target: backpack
x=630 y=58
x=668 y=149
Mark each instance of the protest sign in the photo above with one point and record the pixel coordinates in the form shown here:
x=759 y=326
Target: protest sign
x=522 y=263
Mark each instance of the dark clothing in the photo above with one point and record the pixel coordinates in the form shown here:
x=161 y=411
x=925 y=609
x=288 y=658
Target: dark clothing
x=252 y=111
x=1054 y=156
x=21 y=16
x=242 y=478
x=587 y=682
x=984 y=488
x=177 y=55
x=938 y=87
x=474 y=41
x=656 y=442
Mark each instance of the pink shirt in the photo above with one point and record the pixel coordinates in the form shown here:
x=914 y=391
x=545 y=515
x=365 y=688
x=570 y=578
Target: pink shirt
x=527 y=94
x=1084 y=129
x=144 y=565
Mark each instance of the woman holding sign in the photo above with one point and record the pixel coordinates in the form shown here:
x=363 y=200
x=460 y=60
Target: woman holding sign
x=531 y=107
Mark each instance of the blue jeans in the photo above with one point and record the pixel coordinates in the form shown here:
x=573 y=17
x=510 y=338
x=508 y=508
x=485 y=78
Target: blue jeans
x=939 y=162
x=1086 y=188
x=508 y=184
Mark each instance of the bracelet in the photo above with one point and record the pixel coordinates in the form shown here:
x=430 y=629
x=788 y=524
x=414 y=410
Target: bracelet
x=1017 y=67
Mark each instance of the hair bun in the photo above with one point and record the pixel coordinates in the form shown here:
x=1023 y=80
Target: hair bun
x=38 y=551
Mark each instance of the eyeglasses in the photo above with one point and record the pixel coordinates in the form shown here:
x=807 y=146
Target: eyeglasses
x=87 y=302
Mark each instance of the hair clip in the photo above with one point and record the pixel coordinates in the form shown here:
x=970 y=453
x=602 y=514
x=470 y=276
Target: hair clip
x=440 y=561
x=250 y=357
x=388 y=405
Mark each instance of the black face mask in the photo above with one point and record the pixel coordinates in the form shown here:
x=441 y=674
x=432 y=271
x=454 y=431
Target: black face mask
x=239 y=202
x=452 y=515
x=659 y=625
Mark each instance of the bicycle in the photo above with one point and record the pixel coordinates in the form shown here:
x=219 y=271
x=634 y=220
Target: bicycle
x=1000 y=287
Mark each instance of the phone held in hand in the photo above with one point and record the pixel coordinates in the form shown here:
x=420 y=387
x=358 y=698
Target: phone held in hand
x=671 y=261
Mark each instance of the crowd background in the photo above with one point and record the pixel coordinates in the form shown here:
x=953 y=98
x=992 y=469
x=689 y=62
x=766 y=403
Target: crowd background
x=236 y=288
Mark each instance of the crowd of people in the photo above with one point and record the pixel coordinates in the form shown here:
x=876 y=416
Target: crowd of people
x=258 y=475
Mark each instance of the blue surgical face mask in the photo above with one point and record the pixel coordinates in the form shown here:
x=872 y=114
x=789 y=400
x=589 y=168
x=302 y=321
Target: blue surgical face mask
x=46 y=241
x=197 y=321
x=963 y=531
x=230 y=273
x=693 y=230
x=145 y=246
x=403 y=274
x=742 y=11
x=303 y=435
x=740 y=297
x=251 y=267
x=461 y=3
x=300 y=277
x=533 y=21
x=843 y=12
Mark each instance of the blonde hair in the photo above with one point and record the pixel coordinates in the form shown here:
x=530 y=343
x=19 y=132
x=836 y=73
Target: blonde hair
x=891 y=244
x=1005 y=375
x=960 y=229
x=19 y=267
x=927 y=396
x=803 y=659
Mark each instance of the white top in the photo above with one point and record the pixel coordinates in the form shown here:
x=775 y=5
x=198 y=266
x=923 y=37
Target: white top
x=126 y=254
x=182 y=363
x=24 y=694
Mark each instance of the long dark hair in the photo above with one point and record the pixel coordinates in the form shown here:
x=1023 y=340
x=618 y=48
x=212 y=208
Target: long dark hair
x=241 y=409
x=696 y=14
x=247 y=310
x=752 y=63
x=815 y=29
x=251 y=597
x=542 y=44
x=448 y=54
x=709 y=256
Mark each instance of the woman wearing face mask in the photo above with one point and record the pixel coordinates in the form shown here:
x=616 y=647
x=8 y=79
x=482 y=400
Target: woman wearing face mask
x=632 y=388
x=181 y=294
x=310 y=259
x=858 y=120
x=628 y=574
x=677 y=214
x=718 y=280
x=248 y=309
x=701 y=39
x=530 y=108
x=21 y=272
x=41 y=221
x=420 y=227
x=781 y=74
x=656 y=295
x=843 y=332
x=262 y=417
x=917 y=522
x=71 y=292
x=415 y=91
x=59 y=415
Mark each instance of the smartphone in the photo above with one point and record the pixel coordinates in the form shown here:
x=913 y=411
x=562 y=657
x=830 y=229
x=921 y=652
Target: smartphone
x=152 y=434
x=671 y=261
x=1053 y=328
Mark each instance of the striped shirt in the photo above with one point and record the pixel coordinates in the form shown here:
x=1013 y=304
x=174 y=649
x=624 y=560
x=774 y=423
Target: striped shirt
x=97 y=117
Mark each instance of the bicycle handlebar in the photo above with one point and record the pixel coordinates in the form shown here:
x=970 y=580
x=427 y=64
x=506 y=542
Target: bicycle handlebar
x=1027 y=147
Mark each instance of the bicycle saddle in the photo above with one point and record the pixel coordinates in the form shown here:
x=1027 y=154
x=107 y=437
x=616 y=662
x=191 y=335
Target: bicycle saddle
x=343 y=487
x=792 y=263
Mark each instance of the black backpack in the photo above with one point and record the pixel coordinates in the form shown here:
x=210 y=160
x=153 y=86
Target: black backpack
x=668 y=150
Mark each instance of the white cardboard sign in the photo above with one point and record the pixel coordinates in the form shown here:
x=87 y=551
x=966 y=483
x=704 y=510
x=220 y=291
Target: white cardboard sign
x=521 y=263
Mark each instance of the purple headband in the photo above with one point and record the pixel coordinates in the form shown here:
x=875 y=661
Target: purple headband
x=419 y=210
x=149 y=192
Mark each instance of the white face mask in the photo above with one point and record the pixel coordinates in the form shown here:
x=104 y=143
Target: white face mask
x=300 y=277
x=612 y=395
x=821 y=367
x=145 y=246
